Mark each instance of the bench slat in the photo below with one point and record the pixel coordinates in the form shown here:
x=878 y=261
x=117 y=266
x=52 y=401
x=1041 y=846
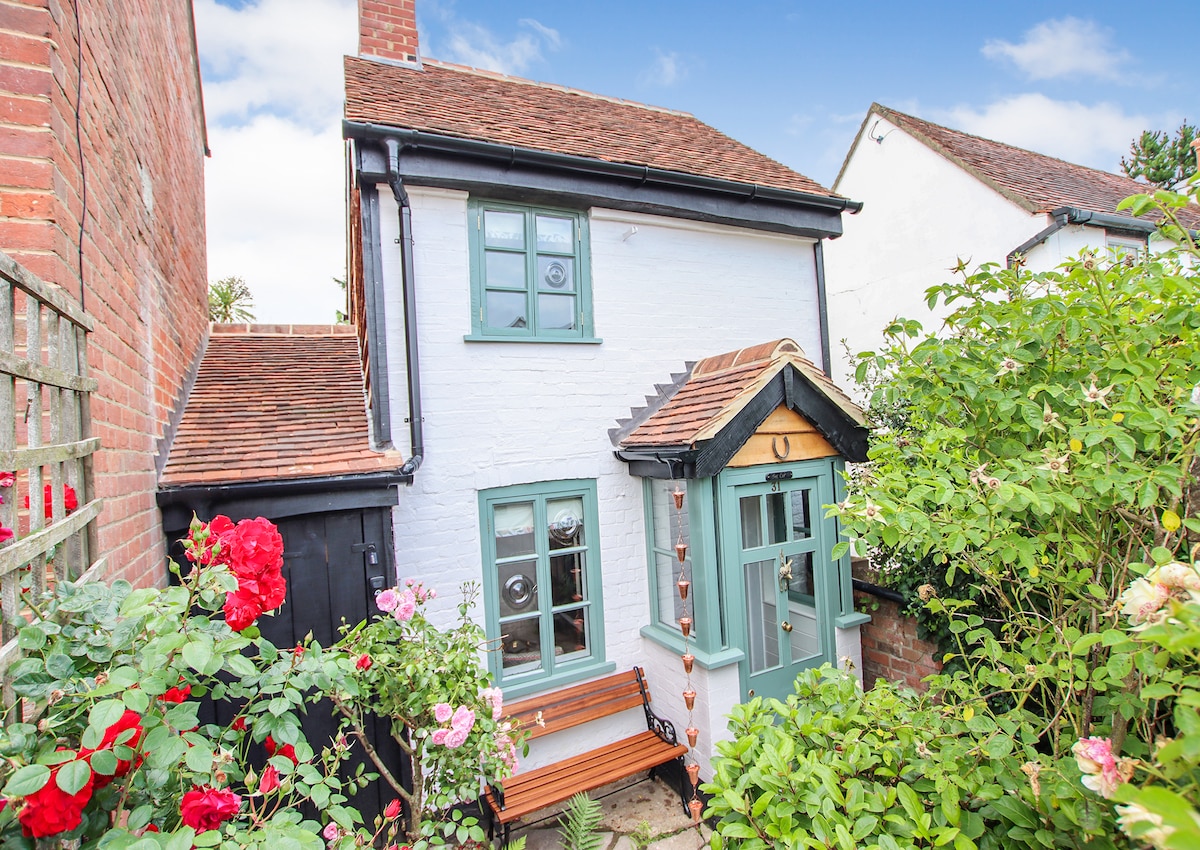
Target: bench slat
x=576 y=705
x=528 y=792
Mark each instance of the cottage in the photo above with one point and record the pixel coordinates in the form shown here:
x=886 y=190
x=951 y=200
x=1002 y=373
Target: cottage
x=932 y=196
x=526 y=262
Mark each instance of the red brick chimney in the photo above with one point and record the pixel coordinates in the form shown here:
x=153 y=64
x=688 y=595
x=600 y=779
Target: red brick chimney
x=387 y=29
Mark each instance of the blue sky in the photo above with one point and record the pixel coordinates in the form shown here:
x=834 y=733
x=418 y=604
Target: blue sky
x=792 y=79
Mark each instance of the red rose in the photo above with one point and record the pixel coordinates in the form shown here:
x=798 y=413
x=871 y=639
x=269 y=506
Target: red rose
x=287 y=750
x=363 y=662
x=215 y=547
x=269 y=780
x=205 y=808
x=7 y=479
x=177 y=694
x=50 y=810
x=241 y=610
x=6 y=534
x=393 y=809
x=70 y=500
x=238 y=724
x=113 y=736
x=256 y=546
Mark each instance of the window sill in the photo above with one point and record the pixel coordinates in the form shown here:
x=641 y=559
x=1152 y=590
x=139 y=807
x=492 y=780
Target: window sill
x=847 y=621
x=674 y=641
x=515 y=690
x=554 y=340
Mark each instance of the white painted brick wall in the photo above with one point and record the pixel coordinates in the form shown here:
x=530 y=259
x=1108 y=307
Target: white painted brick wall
x=497 y=414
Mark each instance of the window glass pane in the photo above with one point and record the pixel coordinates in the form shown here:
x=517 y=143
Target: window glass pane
x=670 y=606
x=555 y=234
x=521 y=643
x=662 y=510
x=556 y=273
x=571 y=632
x=565 y=520
x=556 y=312
x=567 y=579
x=777 y=517
x=802 y=613
x=504 y=229
x=801 y=515
x=518 y=588
x=514 y=529
x=506 y=309
x=505 y=270
x=762 y=617
x=751 y=510
x=801 y=586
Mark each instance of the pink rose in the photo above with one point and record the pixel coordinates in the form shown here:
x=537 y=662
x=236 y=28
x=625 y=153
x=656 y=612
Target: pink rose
x=463 y=719
x=387 y=600
x=456 y=737
x=332 y=831
x=406 y=607
x=439 y=736
x=442 y=712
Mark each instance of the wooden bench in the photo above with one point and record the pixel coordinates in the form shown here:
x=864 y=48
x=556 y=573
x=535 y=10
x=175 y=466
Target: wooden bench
x=528 y=792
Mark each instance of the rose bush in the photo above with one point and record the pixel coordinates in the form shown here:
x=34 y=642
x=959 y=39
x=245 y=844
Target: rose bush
x=117 y=756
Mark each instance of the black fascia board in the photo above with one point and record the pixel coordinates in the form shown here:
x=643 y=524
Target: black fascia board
x=280 y=497
x=791 y=387
x=373 y=303
x=519 y=174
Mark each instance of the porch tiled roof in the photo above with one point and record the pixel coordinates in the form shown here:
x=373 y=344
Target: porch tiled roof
x=454 y=100
x=275 y=402
x=1034 y=181
x=717 y=388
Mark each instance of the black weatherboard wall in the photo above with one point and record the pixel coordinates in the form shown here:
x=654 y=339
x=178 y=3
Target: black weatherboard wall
x=337 y=550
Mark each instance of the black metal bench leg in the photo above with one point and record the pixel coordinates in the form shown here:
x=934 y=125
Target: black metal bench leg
x=684 y=785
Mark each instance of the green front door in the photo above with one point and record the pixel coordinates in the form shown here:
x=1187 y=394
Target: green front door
x=783 y=588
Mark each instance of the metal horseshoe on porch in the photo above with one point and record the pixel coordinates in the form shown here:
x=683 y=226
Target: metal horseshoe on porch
x=787 y=448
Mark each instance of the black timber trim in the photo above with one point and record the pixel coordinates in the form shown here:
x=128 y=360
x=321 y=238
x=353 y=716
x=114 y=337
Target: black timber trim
x=822 y=307
x=280 y=498
x=381 y=413
x=536 y=177
x=790 y=387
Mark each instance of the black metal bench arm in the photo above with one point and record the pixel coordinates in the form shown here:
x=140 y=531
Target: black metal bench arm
x=660 y=726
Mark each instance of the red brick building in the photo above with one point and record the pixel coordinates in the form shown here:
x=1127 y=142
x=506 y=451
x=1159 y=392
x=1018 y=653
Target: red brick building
x=102 y=146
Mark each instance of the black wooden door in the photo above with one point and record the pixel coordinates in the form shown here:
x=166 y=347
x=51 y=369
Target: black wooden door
x=333 y=563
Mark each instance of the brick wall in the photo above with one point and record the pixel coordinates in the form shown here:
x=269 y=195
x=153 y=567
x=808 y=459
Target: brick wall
x=143 y=265
x=890 y=646
x=387 y=29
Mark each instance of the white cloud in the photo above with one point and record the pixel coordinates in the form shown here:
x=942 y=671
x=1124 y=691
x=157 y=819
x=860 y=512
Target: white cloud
x=276 y=216
x=1094 y=135
x=1061 y=48
x=666 y=70
x=472 y=44
x=278 y=56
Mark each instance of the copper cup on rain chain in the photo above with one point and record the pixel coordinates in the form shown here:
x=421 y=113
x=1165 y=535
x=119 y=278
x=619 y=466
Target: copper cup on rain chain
x=693 y=772
x=685 y=624
x=678 y=494
x=696 y=807
x=683 y=585
x=689 y=699
x=681 y=551
x=688 y=661
x=692 y=734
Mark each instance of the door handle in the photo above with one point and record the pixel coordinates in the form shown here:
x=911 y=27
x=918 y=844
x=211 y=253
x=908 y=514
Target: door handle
x=787 y=627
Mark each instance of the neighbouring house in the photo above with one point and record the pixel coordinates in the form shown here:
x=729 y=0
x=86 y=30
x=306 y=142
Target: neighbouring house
x=933 y=196
x=275 y=426
x=571 y=307
x=101 y=194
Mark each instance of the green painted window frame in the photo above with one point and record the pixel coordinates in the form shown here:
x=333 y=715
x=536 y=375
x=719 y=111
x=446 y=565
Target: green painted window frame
x=709 y=640
x=481 y=330
x=553 y=672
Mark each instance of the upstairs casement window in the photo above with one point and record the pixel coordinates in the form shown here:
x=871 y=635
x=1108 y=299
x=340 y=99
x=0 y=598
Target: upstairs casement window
x=530 y=274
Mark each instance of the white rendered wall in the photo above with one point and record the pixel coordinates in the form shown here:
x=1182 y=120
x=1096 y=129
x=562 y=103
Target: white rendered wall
x=502 y=413
x=921 y=213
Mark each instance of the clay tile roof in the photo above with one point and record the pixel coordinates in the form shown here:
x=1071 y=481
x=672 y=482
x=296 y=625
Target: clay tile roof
x=1034 y=181
x=716 y=389
x=453 y=100
x=275 y=402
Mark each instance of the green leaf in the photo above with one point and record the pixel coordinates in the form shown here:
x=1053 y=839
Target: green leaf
x=103 y=762
x=25 y=780
x=72 y=776
x=106 y=713
x=198 y=653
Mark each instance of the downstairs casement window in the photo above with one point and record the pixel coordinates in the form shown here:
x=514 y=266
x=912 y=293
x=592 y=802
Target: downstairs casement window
x=541 y=570
x=530 y=274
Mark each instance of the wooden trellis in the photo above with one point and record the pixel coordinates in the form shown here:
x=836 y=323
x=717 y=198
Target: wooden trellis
x=46 y=444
